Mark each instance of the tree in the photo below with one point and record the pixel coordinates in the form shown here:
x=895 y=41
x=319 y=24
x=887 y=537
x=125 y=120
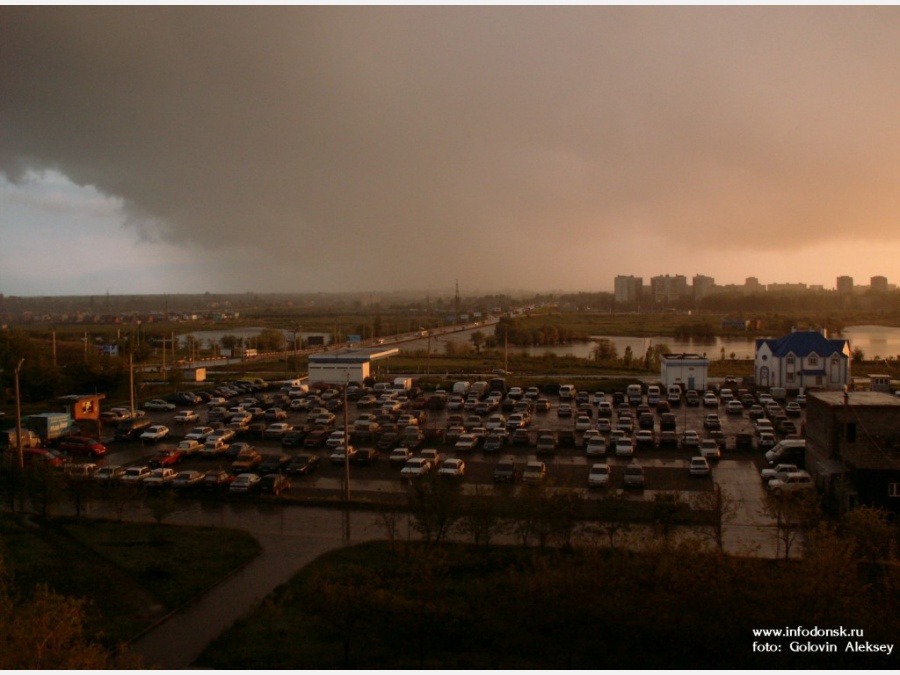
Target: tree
x=605 y=351
x=857 y=355
x=871 y=530
x=723 y=509
x=478 y=339
x=480 y=519
x=793 y=513
x=45 y=631
x=434 y=506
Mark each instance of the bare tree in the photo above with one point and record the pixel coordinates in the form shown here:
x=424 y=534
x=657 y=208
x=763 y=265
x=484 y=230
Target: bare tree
x=722 y=508
x=793 y=513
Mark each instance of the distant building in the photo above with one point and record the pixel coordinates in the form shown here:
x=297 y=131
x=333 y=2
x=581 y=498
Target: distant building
x=844 y=284
x=752 y=285
x=628 y=289
x=803 y=359
x=878 y=284
x=689 y=371
x=346 y=365
x=703 y=286
x=668 y=288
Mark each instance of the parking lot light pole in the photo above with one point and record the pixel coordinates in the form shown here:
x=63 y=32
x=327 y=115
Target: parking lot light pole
x=346 y=490
x=19 y=415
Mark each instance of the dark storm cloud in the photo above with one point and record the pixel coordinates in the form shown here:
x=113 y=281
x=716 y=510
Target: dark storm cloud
x=462 y=141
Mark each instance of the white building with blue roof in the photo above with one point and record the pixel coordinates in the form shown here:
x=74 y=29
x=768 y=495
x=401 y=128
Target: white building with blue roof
x=802 y=360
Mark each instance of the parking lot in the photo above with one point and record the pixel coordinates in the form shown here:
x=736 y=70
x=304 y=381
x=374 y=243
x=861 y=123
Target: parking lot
x=567 y=466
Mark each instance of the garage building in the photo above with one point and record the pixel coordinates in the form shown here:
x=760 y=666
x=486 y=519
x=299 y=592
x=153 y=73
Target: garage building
x=687 y=370
x=345 y=365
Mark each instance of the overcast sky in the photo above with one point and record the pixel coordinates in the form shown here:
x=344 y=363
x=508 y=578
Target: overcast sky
x=301 y=149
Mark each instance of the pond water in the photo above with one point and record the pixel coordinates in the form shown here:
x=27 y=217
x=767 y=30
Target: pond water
x=875 y=341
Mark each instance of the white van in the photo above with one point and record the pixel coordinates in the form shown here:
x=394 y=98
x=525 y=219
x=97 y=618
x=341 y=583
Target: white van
x=461 y=388
x=653 y=394
x=634 y=393
x=789 y=450
x=566 y=392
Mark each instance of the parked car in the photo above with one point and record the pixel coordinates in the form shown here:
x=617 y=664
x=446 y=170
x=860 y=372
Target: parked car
x=187 y=479
x=534 y=472
x=466 y=443
x=505 y=471
x=454 y=468
x=198 y=433
x=110 y=474
x=244 y=483
x=791 y=483
x=699 y=466
x=709 y=449
x=246 y=460
x=135 y=475
x=214 y=447
x=275 y=463
x=217 y=479
x=160 y=478
x=596 y=447
x=598 y=477
x=779 y=471
x=82 y=445
x=734 y=407
x=337 y=455
x=399 y=456
x=80 y=471
x=415 y=467
x=634 y=475
x=277 y=430
x=190 y=447
x=302 y=465
x=274 y=483
x=365 y=456
x=159 y=404
x=624 y=446
x=166 y=458
x=186 y=416
x=155 y=433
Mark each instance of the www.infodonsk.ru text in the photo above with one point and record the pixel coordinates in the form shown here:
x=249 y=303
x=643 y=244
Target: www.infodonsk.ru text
x=808 y=646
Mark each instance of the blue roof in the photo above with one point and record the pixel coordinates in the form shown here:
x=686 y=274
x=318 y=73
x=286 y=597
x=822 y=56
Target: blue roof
x=802 y=344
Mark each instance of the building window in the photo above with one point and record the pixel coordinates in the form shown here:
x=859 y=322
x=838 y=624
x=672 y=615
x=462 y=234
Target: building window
x=790 y=359
x=893 y=489
x=812 y=360
x=789 y=378
x=850 y=432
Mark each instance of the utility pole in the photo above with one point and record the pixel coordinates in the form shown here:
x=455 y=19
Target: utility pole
x=346 y=513
x=19 y=416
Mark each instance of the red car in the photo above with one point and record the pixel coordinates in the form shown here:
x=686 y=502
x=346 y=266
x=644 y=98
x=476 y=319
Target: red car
x=82 y=445
x=166 y=458
x=41 y=456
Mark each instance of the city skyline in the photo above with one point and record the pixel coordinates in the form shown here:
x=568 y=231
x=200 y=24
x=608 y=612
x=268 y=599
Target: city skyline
x=344 y=149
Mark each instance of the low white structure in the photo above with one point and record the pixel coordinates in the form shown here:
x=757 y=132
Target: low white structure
x=689 y=371
x=345 y=365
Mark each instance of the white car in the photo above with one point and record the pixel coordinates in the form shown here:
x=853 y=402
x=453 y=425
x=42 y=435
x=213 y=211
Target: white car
x=159 y=404
x=710 y=400
x=187 y=479
x=690 y=440
x=337 y=454
x=186 y=416
x=160 y=477
x=624 y=446
x=214 y=447
x=455 y=468
x=792 y=482
x=135 y=475
x=415 y=467
x=155 y=433
x=634 y=475
x=709 y=449
x=598 y=476
x=779 y=471
x=596 y=447
x=190 y=447
x=734 y=407
x=699 y=466
x=198 y=434
x=467 y=442
x=583 y=423
x=534 y=472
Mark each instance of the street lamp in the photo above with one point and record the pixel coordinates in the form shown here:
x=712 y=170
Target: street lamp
x=19 y=414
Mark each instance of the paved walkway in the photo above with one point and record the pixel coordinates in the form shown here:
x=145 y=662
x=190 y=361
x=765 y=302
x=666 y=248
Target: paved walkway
x=288 y=543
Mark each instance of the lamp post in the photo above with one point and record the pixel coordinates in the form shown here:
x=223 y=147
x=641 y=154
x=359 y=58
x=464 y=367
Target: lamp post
x=19 y=415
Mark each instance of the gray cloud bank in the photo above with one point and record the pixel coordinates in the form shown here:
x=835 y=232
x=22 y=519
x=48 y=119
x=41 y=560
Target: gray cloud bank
x=383 y=147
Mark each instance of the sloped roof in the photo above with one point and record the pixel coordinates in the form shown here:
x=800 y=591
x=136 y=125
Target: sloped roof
x=802 y=344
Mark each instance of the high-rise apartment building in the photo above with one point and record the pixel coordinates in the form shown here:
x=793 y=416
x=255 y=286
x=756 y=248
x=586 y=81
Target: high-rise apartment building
x=703 y=286
x=668 y=288
x=629 y=289
x=878 y=284
x=844 y=284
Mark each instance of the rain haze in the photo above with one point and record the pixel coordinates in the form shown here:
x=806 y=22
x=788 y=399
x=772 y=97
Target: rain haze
x=306 y=149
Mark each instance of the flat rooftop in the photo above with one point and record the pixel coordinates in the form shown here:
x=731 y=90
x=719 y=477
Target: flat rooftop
x=868 y=398
x=353 y=355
